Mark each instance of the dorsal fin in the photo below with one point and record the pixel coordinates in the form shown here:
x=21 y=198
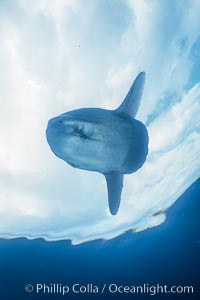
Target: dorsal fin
x=131 y=103
x=114 y=185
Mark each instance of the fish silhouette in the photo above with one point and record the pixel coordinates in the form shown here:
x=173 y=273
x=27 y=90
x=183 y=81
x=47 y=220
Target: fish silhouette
x=111 y=142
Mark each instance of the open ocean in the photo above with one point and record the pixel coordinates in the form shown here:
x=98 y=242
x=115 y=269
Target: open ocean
x=166 y=255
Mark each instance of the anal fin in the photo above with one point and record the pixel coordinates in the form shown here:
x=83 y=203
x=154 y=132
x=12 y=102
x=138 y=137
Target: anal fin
x=114 y=185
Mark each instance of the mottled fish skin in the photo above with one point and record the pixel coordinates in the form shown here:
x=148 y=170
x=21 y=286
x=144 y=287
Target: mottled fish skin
x=98 y=140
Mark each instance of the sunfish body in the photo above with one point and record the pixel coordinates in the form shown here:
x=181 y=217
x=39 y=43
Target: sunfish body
x=111 y=142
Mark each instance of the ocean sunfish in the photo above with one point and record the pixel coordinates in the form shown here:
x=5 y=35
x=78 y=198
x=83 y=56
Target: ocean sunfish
x=110 y=142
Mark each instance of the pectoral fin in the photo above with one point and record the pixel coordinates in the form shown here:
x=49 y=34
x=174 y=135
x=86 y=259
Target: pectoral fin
x=114 y=185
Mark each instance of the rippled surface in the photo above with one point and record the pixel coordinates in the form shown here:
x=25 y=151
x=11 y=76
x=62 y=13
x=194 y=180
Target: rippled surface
x=40 y=196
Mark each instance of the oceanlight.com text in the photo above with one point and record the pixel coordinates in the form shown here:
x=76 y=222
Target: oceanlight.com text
x=112 y=288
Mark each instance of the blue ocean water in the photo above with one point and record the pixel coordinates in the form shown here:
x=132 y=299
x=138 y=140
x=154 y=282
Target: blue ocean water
x=167 y=255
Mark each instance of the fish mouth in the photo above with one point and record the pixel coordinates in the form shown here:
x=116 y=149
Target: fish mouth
x=69 y=126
